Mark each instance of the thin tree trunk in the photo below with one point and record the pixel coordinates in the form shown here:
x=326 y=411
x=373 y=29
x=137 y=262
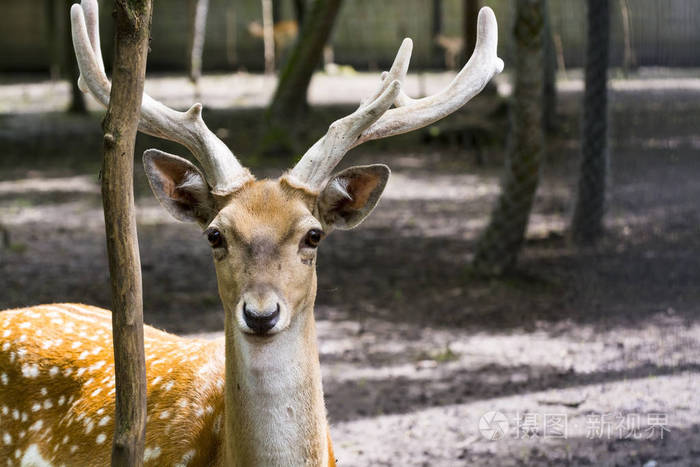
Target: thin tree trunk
x=470 y=15
x=133 y=22
x=300 y=12
x=198 y=31
x=629 y=60
x=268 y=36
x=231 y=54
x=587 y=224
x=54 y=34
x=438 y=52
x=497 y=249
x=289 y=101
x=550 y=75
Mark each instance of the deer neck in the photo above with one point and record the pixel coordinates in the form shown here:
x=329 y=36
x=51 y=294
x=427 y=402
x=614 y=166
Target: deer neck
x=275 y=414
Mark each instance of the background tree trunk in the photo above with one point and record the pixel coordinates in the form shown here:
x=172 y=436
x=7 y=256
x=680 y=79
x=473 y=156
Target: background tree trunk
x=497 y=249
x=268 y=36
x=470 y=15
x=587 y=224
x=133 y=22
x=197 y=34
x=289 y=104
x=300 y=12
x=438 y=60
x=549 y=110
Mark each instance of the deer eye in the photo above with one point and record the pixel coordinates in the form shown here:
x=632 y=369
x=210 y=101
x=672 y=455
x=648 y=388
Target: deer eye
x=215 y=238
x=313 y=237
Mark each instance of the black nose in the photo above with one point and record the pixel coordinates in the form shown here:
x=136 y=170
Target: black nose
x=260 y=323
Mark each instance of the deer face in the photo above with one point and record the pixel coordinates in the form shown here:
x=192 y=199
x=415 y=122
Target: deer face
x=265 y=236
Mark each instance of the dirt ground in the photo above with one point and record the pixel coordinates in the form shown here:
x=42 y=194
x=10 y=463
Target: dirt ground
x=591 y=356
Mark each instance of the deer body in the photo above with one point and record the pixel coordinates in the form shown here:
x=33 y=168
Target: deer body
x=57 y=397
x=254 y=398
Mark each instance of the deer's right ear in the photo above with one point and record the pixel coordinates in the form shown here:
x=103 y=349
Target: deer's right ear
x=179 y=186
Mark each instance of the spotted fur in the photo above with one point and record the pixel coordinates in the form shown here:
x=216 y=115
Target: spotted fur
x=57 y=391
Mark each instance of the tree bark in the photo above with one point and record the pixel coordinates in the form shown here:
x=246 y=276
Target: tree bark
x=197 y=34
x=497 y=249
x=133 y=21
x=587 y=224
x=549 y=119
x=268 y=36
x=300 y=11
x=289 y=101
x=470 y=15
x=438 y=60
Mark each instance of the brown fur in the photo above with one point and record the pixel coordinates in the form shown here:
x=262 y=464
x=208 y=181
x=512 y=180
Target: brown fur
x=185 y=382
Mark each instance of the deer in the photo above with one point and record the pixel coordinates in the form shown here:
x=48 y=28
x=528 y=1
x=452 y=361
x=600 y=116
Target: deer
x=253 y=397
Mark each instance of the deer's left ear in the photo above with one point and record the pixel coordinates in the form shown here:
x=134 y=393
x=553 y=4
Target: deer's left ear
x=351 y=195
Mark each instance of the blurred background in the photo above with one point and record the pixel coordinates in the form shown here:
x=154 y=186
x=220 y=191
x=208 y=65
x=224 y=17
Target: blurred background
x=536 y=255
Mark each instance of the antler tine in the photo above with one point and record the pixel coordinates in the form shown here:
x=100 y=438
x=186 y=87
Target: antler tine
x=411 y=114
x=221 y=168
x=319 y=161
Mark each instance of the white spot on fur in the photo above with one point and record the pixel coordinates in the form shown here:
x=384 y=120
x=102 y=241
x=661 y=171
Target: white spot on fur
x=36 y=407
x=89 y=425
x=151 y=453
x=48 y=404
x=103 y=421
x=30 y=371
x=101 y=438
x=4 y=378
x=73 y=449
x=6 y=333
x=168 y=386
x=164 y=414
x=36 y=426
x=5 y=410
x=67 y=372
x=5 y=346
x=6 y=438
x=15 y=414
x=44 y=391
x=76 y=344
x=32 y=457
x=98 y=365
x=83 y=355
x=25 y=325
x=65 y=440
x=96 y=392
x=24 y=417
x=61 y=400
x=53 y=371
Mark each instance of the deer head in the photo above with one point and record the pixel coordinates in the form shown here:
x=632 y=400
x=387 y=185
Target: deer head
x=264 y=234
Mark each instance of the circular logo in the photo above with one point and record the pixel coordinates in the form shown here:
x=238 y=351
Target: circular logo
x=493 y=425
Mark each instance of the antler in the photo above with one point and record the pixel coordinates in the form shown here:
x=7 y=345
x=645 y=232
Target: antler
x=374 y=120
x=221 y=168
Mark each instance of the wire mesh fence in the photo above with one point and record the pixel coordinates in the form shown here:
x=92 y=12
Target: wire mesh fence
x=647 y=32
